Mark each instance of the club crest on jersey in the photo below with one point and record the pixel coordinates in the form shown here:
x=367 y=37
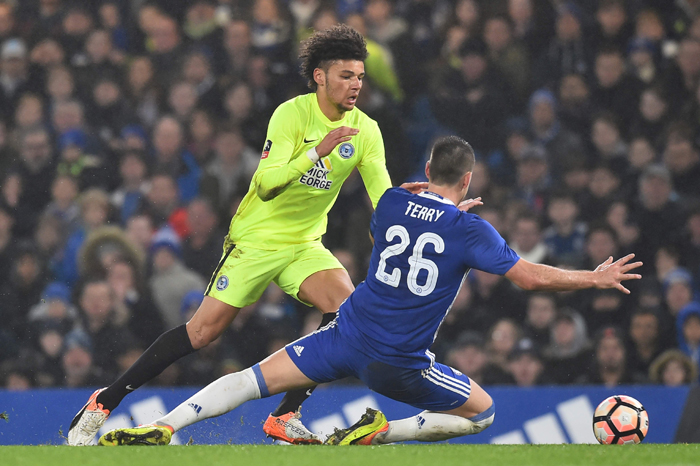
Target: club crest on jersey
x=266 y=149
x=222 y=283
x=317 y=176
x=346 y=150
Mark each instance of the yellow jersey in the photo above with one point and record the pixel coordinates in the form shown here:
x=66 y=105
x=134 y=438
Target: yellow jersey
x=290 y=195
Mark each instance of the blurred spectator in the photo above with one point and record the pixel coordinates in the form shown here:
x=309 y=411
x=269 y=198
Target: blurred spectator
x=657 y=214
x=143 y=90
x=171 y=280
x=6 y=242
x=468 y=356
x=166 y=48
x=173 y=158
x=641 y=57
x=615 y=90
x=501 y=341
x=526 y=365
x=626 y=231
x=673 y=368
x=533 y=179
x=682 y=158
x=541 y=313
x=379 y=65
x=23 y=289
x=101 y=323
x=237 y=42
x=683 y=78
x=688 y=328
x=567 y=52
x=526 y=240
x=162 y=204
x=510 y=57
x=690 y=242
x=127 y=283
x=86 y=168
x=94 y=212
x=613 y=27
x=201 y=136
x=14 y=75
x=134 y=185
x=575 y=105
x=568 y=354
x=610 y=366
x=653 y=115
x=566 y=237
x=77 y=362
x=608 y=145
x=645 y=339
x=229 y=171
x=547 y=131
x=54 y=309
x=471 y=99
x=35 y=172
x=64 y=206
x=201 y=250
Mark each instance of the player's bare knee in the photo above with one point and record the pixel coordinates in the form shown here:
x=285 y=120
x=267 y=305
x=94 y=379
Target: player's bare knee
x=201 y=336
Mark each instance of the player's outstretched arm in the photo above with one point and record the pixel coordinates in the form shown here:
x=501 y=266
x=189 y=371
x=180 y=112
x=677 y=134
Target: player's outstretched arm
x=609 y=274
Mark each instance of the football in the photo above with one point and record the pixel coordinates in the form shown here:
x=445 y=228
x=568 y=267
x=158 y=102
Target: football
x=620 y=419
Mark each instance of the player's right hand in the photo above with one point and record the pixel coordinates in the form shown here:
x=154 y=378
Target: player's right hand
x=612 y=274
x=333 y=138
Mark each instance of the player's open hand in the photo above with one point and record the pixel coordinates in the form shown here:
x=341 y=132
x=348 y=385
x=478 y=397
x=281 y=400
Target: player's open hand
x=333 y=138
x=464 y=206
x=415 y=187
x=612 y=274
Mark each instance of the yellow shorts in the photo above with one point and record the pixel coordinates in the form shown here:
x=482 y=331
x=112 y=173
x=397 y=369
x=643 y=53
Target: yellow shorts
x=244 y=272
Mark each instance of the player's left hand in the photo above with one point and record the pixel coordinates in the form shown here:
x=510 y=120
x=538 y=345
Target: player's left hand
x=415 y=187
x=464 y=206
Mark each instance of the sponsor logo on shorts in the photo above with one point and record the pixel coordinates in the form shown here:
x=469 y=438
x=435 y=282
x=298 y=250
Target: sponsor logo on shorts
x=317 y=176
x=346 y=150
x=222 y=283
x=298 y=349
x=266 y=149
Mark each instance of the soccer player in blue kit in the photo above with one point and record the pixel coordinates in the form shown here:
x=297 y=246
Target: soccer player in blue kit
x=424 y=247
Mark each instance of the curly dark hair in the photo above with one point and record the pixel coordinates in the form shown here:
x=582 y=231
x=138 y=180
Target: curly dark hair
x=340 y=42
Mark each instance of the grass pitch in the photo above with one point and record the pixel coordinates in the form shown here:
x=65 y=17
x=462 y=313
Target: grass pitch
x=388 y=455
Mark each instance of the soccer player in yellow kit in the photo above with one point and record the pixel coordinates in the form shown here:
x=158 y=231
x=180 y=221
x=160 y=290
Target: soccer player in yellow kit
x=313 y=143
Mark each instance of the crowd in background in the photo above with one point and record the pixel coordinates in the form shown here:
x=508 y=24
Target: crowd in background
x=130 y=129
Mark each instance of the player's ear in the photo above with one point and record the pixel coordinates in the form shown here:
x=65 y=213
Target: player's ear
x=466 y=180
x=427 y=169
x=319 y=77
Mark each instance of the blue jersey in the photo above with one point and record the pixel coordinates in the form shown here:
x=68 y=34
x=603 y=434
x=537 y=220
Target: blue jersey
x=423 y=249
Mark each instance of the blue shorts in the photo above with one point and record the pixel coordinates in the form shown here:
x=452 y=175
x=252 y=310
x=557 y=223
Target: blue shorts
x=324 y=356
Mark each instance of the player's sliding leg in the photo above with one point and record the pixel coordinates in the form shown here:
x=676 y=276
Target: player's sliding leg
x=475 y=415
x=292 y=400
x=275 y=374
x=326 y=290
x=208 y=323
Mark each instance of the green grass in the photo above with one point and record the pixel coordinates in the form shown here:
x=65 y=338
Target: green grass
x=389 y=455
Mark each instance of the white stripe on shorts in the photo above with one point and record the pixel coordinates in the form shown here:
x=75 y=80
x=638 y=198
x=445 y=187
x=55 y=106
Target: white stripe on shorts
x=448 y=387
x=450 y=380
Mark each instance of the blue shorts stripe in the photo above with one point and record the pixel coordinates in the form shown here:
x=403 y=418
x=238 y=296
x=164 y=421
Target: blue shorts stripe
x=450 y=380
x=264 y=392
